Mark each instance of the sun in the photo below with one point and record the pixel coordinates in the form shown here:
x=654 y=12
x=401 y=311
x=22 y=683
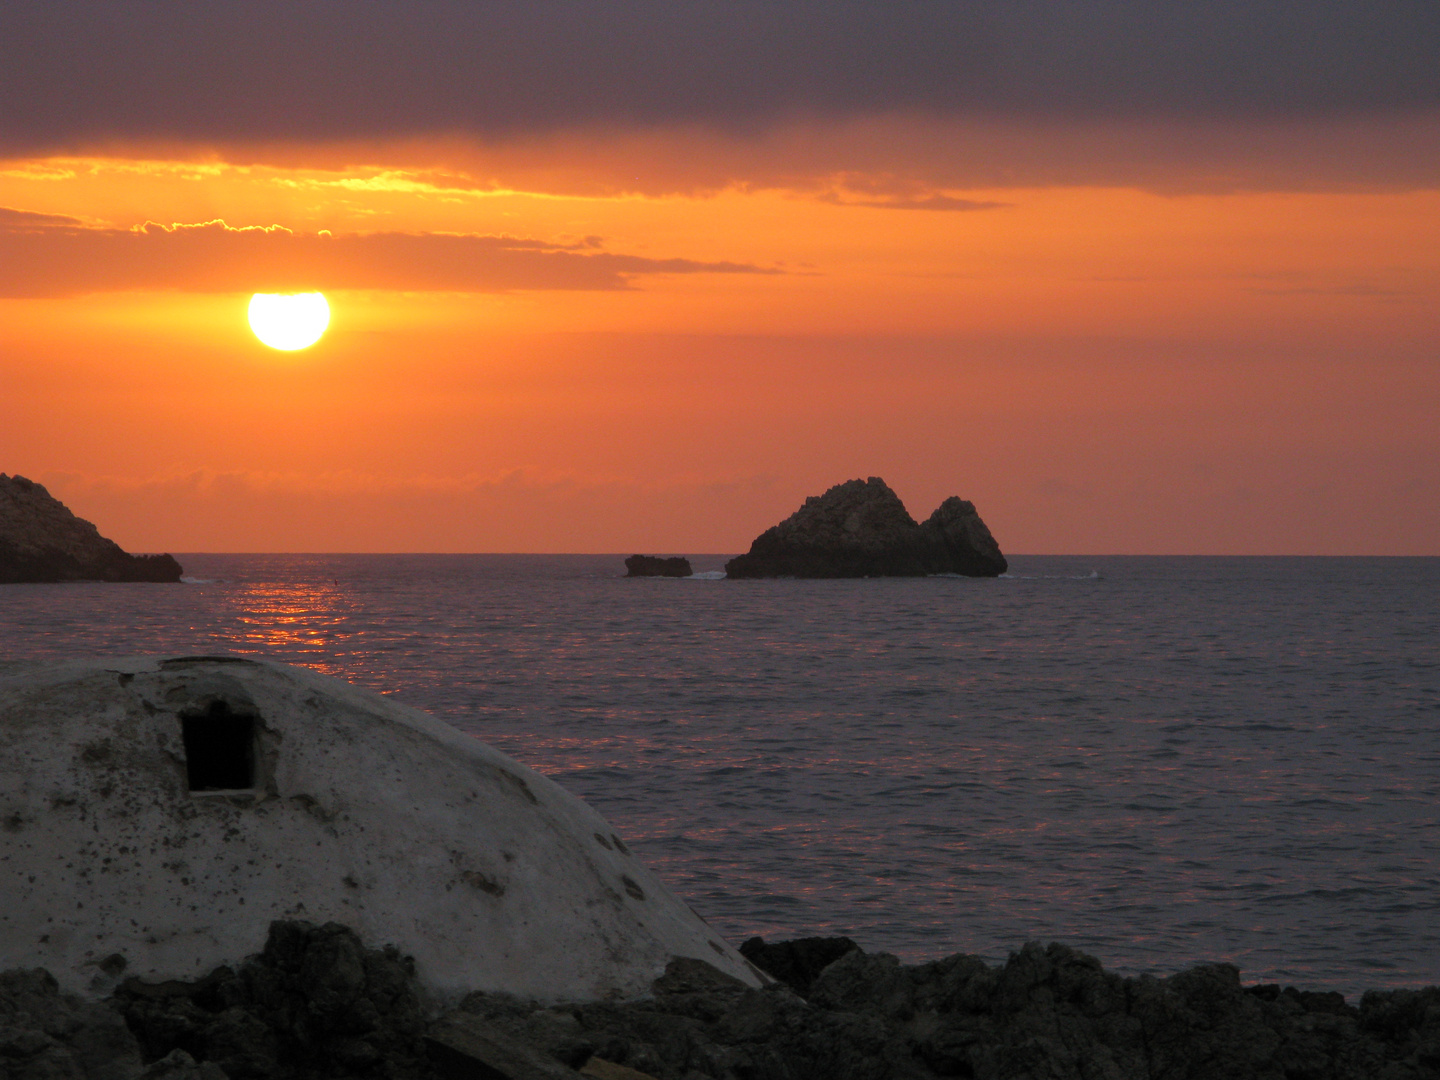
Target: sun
x=289 y=321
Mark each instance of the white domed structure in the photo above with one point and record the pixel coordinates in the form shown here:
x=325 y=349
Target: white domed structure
x=165 y=811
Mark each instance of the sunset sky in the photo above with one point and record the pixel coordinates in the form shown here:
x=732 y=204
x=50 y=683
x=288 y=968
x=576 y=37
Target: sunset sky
x=613 y=277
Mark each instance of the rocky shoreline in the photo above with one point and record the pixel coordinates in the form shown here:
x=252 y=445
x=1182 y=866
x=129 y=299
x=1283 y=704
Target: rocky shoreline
x=316 y=1004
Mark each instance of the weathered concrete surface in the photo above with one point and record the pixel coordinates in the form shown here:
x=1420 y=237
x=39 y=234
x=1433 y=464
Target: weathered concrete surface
x=361 y=811
x=42 y=541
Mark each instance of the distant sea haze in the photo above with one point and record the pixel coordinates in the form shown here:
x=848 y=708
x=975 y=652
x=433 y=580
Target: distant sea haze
x=1161 y=761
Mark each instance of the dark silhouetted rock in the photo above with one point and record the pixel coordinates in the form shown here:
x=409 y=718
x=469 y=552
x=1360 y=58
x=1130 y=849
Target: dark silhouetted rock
x=314 y=1003
x=1049 y=1011
x=47 y=1035
x=861 y=529
x=652 y=566
x=796 y=963
x=42 y=541
x=961 y=541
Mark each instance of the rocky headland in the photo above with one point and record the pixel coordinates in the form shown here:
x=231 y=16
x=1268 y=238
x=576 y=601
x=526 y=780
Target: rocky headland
x=316 y=1003
x=861 y=529
x=42 y=541
x=654 y=566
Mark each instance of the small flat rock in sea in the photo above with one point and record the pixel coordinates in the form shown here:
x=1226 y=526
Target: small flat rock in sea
x=42 y=541
x=861 y=529
x=655 y=566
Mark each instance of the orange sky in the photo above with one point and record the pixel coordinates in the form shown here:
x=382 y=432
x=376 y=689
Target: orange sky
x=530 y=351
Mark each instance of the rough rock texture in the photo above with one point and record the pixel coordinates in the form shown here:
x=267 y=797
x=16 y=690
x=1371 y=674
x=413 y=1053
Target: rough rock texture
x=42 y=541
x=316 y=1004
x=47 y=1035
x=1049 y=1012
x=961 y=541
x=861 y=529
x=166 y=810
x=652 y=566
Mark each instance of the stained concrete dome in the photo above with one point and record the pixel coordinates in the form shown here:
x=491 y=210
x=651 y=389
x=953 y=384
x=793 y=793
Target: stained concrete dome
x=164 y=811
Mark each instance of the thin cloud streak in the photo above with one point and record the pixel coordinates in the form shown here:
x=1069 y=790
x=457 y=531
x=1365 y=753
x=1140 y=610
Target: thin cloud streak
x=947 y=203
x=40 y=259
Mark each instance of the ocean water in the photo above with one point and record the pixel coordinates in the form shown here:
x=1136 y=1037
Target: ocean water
x=1161 y=761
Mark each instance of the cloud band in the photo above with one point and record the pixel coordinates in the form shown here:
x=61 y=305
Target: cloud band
x=78 y=73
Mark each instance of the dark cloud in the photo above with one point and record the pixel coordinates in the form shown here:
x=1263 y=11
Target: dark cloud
x=58 y=260
x=79 y=74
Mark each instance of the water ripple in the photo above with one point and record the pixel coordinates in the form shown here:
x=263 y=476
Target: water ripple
x=1163 y=761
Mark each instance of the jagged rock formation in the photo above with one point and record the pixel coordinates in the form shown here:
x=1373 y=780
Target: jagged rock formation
x=861 y=529
x=42 y=541
x=652 y=566
x=317 y=1004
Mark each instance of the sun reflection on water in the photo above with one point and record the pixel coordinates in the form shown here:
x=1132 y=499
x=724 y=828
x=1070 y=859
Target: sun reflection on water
x=302 y=622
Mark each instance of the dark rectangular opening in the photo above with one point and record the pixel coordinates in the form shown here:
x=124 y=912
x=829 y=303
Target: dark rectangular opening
x=219 y=749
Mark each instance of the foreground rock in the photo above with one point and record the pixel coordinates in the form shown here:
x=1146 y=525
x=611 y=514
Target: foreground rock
x=861 y=529
x=42 y=541
x=1048 y=1012
x=316 y=1004
x=45 y=1034
x=651 y=566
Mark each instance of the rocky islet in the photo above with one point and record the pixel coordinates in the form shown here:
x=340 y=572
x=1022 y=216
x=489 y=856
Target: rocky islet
x=861 y=529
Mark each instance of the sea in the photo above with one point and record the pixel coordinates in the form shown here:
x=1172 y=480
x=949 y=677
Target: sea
x=1158 y=761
